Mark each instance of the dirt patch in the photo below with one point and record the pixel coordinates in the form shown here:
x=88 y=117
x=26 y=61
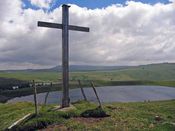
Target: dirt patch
x=89 y=120
x=61 y=127
x=55 y=128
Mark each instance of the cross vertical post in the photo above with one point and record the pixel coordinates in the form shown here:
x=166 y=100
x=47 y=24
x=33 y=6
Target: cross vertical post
x=65 y=55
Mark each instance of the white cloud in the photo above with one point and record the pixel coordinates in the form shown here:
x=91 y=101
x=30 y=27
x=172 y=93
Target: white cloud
x=119 y=35
x=41 y=3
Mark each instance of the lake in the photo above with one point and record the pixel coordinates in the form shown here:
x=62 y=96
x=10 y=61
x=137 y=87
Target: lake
x=109 y=94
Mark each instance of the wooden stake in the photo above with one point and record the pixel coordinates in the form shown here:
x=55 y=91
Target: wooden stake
x=45 y=101
x=92 y=84
x=35 y=98
x=82 y=90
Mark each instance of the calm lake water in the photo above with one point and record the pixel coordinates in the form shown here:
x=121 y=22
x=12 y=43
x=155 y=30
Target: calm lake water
x=109 y=94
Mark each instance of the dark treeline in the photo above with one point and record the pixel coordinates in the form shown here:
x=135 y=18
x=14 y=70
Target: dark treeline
x=9 y=83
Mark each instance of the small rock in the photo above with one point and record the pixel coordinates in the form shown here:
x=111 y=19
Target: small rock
x=158 y=118
x=173 y=124
x=151 y=125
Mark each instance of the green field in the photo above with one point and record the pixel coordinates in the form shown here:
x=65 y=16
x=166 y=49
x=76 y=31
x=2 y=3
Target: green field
x=158 y=74
x=10 y=113
x=122 y=116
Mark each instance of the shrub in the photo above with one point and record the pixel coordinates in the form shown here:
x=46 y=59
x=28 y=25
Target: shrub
x=97 y=112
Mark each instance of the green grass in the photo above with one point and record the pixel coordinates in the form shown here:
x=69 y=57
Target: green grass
x=156 y=72
x=29 y=76
x=123 y=116
x=10 y=113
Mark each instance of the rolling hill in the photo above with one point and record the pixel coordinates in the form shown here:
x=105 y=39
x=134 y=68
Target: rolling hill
x=152 y=72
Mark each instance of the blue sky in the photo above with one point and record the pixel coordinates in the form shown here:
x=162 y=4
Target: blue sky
x=92 y=4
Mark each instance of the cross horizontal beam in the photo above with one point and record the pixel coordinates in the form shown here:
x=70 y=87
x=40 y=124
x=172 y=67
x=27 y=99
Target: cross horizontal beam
x=49 y=25
x=60 y=26
x=78 y=28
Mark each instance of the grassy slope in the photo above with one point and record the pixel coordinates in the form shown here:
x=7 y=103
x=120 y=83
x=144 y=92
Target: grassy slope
x=9 y=113
x=159 y=72
x=123 y=116
x=38 y=76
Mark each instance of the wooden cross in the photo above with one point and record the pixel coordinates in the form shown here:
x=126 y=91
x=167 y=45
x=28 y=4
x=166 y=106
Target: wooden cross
x=65 y=48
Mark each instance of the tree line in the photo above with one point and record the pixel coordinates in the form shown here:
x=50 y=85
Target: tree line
x=9 y=83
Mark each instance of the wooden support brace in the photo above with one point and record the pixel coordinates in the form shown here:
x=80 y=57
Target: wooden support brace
x=92 y=84
x=82 y=90
x=47 y=94
x=45 y=101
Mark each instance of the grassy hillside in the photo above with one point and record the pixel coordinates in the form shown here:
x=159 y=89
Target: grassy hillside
x=156 y=72
x=38 y=76
x=122 y=116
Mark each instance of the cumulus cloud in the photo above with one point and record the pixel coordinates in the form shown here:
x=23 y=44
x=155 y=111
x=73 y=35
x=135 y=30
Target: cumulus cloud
x=41 y=3
x=133 y=34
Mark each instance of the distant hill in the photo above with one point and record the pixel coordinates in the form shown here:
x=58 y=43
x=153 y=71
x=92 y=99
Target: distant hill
x=90 y=68
x=75 y=68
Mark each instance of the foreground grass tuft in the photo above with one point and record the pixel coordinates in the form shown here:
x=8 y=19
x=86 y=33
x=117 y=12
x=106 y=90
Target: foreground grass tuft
x=96 y=113
x=48 y=116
